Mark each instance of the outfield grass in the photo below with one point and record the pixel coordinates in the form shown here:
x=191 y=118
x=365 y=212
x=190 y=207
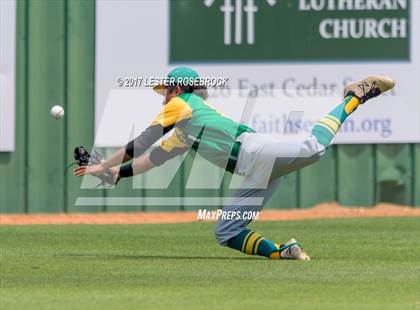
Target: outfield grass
x=357 y=264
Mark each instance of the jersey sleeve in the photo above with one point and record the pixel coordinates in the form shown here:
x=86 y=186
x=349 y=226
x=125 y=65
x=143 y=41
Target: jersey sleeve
x=145 y=140
x=175 y=111
x=159 y=156
x=169 y=148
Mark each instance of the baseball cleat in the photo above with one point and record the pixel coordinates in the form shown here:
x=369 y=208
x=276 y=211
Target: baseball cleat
x=292 y=250
x=369 y=87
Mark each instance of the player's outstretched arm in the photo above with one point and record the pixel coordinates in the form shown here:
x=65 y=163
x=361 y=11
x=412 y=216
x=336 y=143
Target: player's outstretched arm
x=137 y=146
x=117 y=158
x=142 y=164
x=135 y=149
x=139 y=165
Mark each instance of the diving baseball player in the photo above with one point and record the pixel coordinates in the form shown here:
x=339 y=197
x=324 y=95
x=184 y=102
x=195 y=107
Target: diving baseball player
x=259 y=158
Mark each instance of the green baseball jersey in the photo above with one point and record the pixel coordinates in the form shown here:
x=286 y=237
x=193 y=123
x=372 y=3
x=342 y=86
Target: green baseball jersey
x=196 y=125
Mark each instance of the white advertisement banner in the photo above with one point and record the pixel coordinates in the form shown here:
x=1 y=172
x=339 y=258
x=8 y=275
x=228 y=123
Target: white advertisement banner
x=7 y=74
x=140 y=40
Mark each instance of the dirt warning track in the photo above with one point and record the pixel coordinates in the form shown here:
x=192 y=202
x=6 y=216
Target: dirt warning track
x=321 y=211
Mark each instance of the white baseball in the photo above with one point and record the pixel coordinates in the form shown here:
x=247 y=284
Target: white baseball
x=57 y=112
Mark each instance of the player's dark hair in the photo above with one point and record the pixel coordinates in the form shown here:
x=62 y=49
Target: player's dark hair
x=201 y=92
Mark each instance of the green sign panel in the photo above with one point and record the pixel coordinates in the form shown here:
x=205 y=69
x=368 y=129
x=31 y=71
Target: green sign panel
x=289 y=30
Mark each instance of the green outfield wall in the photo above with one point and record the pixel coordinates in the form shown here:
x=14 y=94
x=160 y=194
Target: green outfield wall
x=55 y=65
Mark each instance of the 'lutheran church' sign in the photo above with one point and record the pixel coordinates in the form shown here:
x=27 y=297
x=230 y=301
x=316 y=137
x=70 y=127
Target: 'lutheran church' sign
x=289 y=30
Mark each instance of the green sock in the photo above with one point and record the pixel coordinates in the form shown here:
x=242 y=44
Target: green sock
x=326 y=128
x=253 y=243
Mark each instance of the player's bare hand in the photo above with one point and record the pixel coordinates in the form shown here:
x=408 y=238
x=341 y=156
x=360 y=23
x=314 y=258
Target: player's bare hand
x=97 y=170
x=92 y=169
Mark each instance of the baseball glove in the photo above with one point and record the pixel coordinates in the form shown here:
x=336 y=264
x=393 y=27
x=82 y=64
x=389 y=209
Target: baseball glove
x=83 y=158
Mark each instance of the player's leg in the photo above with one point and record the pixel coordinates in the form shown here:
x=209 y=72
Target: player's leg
x=291 y=157
x=327 y=127
x=235 y=234
x=255 y=190
x=354 y=94
x=266 y=161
